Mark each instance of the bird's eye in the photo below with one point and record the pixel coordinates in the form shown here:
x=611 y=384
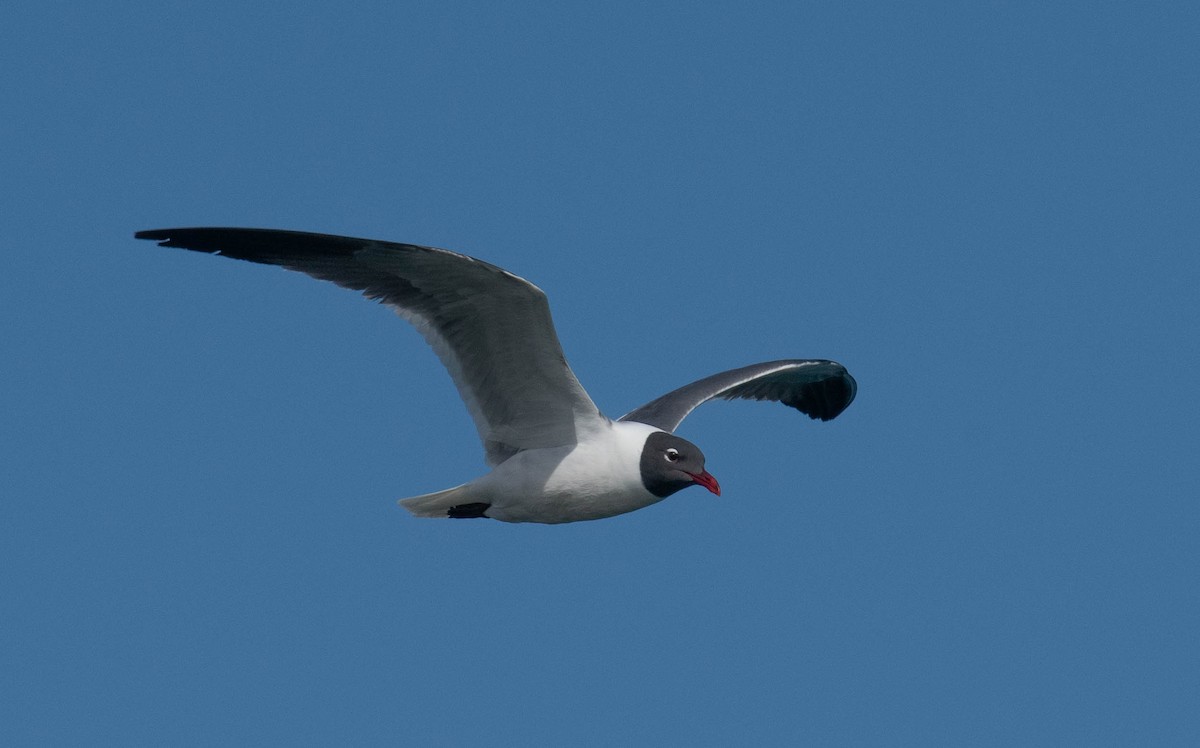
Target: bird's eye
x=673 y=454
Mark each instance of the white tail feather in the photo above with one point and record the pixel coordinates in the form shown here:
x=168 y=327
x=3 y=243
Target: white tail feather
x=435 y=504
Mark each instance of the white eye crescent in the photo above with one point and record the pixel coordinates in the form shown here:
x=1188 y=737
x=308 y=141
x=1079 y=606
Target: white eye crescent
x=673 y=454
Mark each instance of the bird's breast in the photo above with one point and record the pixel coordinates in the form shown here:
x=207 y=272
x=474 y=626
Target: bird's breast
x=599 y=477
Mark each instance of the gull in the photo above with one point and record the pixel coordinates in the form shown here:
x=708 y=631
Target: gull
x=554 y=456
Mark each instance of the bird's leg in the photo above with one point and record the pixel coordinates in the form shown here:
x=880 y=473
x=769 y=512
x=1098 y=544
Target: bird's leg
x=468 y=511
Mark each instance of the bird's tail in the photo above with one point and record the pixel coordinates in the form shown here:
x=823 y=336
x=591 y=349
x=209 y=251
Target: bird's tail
x=436 y=504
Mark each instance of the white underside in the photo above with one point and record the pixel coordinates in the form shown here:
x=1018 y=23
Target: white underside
x=596 y=478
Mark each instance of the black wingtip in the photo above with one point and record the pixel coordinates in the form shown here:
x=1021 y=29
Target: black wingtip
x=270 y=246
x=828 y=399
x=200 y=240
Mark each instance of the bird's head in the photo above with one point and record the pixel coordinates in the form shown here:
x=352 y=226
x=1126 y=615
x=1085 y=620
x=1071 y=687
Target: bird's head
x=670 y=464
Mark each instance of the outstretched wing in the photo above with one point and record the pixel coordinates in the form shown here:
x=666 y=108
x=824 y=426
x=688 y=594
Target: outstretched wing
x=821 y=389
x=491 y=329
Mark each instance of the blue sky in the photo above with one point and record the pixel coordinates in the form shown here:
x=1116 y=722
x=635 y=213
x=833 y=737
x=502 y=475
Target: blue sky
x=987 y=211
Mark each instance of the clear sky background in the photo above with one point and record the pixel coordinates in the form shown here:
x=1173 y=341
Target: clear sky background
x=989 y=212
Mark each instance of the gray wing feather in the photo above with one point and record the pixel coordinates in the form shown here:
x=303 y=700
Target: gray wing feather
x=491 y=329
x=820 y=389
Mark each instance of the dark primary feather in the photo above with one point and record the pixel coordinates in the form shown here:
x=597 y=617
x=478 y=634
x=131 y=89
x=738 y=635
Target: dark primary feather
x=818 y=388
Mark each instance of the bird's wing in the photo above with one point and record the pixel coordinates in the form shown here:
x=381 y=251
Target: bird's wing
x=821 y=389
x=491 y=329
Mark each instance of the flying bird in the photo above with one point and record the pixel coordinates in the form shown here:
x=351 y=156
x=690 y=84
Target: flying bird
x=554 y=456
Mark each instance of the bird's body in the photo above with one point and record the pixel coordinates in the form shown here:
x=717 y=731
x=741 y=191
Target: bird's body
x=555 y=457
x=595 y=478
